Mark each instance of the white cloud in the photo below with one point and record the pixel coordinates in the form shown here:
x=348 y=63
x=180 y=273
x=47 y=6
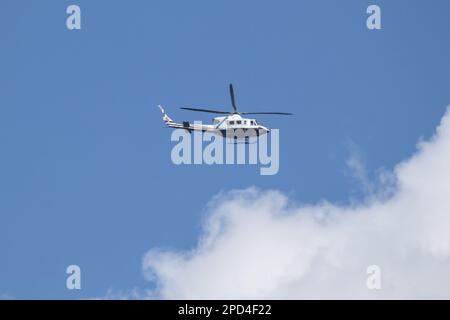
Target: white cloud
x=257 y=244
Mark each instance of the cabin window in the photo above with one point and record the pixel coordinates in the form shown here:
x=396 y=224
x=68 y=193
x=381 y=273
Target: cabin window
x=231 y=122
x=245 y=121
x=238 y=121
x=252 y=122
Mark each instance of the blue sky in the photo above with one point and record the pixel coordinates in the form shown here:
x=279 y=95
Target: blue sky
x=85 y=170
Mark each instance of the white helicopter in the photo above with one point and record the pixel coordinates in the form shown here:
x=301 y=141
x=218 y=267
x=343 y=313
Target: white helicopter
x=231 y=125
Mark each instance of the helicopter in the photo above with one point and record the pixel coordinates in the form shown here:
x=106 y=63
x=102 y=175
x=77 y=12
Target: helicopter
x=230 y=125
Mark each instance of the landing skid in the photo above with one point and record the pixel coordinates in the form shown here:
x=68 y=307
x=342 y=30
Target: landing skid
x=245 y=140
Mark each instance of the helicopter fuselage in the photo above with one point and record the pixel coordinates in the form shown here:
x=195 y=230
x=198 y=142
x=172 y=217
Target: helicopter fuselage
x=233 y=126
x=236 y=125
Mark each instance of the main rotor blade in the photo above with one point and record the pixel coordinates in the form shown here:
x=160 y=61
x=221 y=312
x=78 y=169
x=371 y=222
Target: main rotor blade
x=206 y=110
x=233 y=101
x=277 y=113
